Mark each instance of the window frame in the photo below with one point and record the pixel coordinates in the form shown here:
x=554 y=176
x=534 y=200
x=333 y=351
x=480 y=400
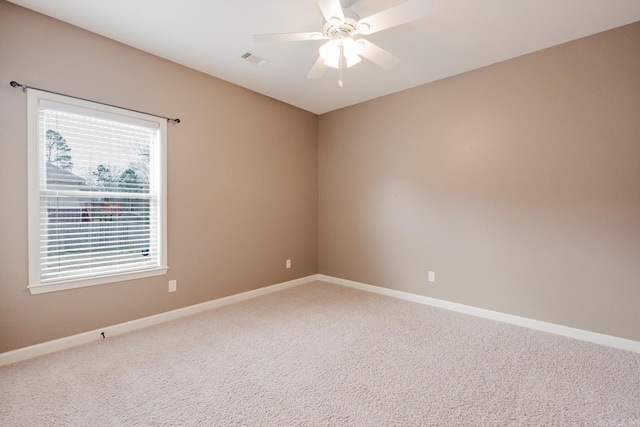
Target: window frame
x=35 y=285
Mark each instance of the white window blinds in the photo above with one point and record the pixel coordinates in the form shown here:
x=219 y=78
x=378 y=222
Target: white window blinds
x=100 y=185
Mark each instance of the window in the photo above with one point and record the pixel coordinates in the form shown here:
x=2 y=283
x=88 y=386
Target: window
x=97 y=193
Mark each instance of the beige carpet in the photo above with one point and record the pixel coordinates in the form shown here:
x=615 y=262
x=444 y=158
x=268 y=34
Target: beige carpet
x=324 y=355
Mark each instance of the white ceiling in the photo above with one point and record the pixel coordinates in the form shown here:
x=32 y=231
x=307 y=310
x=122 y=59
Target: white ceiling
x=462 y=35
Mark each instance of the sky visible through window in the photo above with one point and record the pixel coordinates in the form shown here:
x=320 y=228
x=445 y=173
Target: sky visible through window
x=110 y=156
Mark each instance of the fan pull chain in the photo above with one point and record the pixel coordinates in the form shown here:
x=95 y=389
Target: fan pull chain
x=340 y=64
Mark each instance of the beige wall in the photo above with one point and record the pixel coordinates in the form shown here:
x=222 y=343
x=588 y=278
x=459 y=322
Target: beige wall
x=518 y=184
x=242 y=179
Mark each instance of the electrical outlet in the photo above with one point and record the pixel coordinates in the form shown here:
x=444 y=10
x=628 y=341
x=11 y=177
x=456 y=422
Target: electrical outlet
x=173 y=285
x=432 y=276
x=288 y=263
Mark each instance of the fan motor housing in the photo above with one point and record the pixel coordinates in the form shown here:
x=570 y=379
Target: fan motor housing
x=342 y=29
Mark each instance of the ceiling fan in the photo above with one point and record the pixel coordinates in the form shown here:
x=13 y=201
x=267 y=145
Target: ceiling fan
x=344 y=31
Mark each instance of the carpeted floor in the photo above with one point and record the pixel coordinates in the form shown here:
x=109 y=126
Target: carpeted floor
x=324 y=355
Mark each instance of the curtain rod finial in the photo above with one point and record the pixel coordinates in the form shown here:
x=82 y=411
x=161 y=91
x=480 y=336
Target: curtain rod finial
x=14 y=83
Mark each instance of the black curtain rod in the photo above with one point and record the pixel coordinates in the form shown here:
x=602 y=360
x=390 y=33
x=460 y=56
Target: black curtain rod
x=24 y=88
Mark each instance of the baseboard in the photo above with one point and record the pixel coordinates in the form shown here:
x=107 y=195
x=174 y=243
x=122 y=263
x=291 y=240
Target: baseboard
x=581 y=334
x=95 y=335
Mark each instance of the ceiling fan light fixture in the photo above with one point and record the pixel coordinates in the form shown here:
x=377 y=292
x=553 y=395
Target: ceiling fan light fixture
x=330 y=51
x=344 y=30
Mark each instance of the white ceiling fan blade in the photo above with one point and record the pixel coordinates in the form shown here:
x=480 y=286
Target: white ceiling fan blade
x=378 y=55
x=331 y=9
x=318 y=70
x=288 y=37
x=408 y=11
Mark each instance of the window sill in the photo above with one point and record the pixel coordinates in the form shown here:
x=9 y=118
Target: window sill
x=41 y=288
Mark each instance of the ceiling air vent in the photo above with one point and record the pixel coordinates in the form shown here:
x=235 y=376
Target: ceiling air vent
x=254 y=59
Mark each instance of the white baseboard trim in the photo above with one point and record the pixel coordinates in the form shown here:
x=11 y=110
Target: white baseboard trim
x=121 y=328
x=95 y=335
x=580 y=334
